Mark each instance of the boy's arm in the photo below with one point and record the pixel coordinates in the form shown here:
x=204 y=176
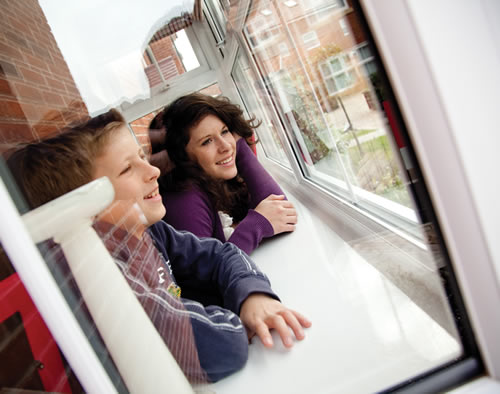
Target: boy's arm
x=221 y=339
x=207 y=260
x=212 y=335
x=246 y=291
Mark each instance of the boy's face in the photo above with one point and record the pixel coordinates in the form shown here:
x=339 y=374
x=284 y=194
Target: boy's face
x=133 y=178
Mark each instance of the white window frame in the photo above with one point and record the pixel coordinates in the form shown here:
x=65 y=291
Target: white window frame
x=347 y=69
x=344 y=27
x=310 y=40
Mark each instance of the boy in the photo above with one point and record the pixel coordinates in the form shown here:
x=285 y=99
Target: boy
x=221 y=279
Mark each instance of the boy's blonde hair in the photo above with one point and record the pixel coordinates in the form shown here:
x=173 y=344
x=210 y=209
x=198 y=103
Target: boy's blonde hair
x=50 y=168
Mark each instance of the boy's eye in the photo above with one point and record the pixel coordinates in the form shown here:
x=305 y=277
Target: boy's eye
x=125 y=170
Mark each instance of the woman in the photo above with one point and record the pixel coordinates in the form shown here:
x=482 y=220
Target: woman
x=217 y=187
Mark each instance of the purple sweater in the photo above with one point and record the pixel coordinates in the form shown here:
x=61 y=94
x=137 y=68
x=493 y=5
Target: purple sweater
x=192 y=210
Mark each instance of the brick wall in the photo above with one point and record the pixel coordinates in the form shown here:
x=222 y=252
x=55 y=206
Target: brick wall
x=140 y=127
x=37 y=92
x=163 y=49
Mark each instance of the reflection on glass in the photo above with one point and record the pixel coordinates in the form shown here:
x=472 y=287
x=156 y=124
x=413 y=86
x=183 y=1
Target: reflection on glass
x=56 y=77
x=320 y=71
x=212 y=90
x=251 y=93
x=185 y=51
x=329 y=98
x=140 y=127
x=168 y=54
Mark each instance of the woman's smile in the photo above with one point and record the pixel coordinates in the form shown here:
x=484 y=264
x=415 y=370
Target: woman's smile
x=213 y=147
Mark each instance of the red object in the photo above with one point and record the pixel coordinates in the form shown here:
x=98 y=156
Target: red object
x=14 y=298
x=254 y=148
x=392 y=122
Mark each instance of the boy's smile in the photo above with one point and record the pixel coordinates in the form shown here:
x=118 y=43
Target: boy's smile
x=134 y=179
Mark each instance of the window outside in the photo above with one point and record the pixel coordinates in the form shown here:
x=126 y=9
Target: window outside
x=248 y=85
x=328 y=96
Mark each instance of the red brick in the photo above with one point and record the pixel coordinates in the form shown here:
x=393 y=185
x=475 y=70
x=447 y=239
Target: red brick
x=28 y=92
x=60 y=62
x=52 y=116
x=16 y=40
x=53 y=98
x=31 y=111
x=10 y=52
x=18 y=25
x=36 y=62
x=15 y=132
x=72 y=89
x=32 y=76
x=40 y=50
x=74 y=117
x=44 y=130
x=55 y=84
x=44 y=112
x=11 y=110
x=5 y=88
x=58 y=72
x=77 y=105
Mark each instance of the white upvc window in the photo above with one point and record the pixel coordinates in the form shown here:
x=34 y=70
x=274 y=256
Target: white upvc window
x=338 y=73
x=310 y=40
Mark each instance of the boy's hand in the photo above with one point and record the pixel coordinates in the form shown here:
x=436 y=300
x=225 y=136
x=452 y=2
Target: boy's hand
x=261 y=313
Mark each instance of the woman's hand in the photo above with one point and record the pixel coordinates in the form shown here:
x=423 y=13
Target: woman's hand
x=279 y=212
x=261 y=313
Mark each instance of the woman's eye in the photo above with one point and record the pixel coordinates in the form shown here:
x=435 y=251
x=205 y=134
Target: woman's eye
x=206 y=142
x=225 y=131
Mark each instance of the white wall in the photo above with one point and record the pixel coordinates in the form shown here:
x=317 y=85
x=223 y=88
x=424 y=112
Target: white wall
x=442 y=58
x=462 y=41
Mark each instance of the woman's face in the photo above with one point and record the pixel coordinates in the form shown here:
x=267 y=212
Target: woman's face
x=134 y=179
x=213 y=147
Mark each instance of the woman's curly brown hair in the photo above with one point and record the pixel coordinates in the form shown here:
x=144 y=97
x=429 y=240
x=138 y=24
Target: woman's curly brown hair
x=179 y=118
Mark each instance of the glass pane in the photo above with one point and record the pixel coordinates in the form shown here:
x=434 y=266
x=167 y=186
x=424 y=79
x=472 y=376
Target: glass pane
x=217 y=21
x=364 y=52
x=336 y=65
x=335 y=113
x=55 y=72
x=212 y=90
x=330 y=100
x=140 y=127
x=253 y=94
x=185 y=51
x=168 y=55
x=325 y=70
